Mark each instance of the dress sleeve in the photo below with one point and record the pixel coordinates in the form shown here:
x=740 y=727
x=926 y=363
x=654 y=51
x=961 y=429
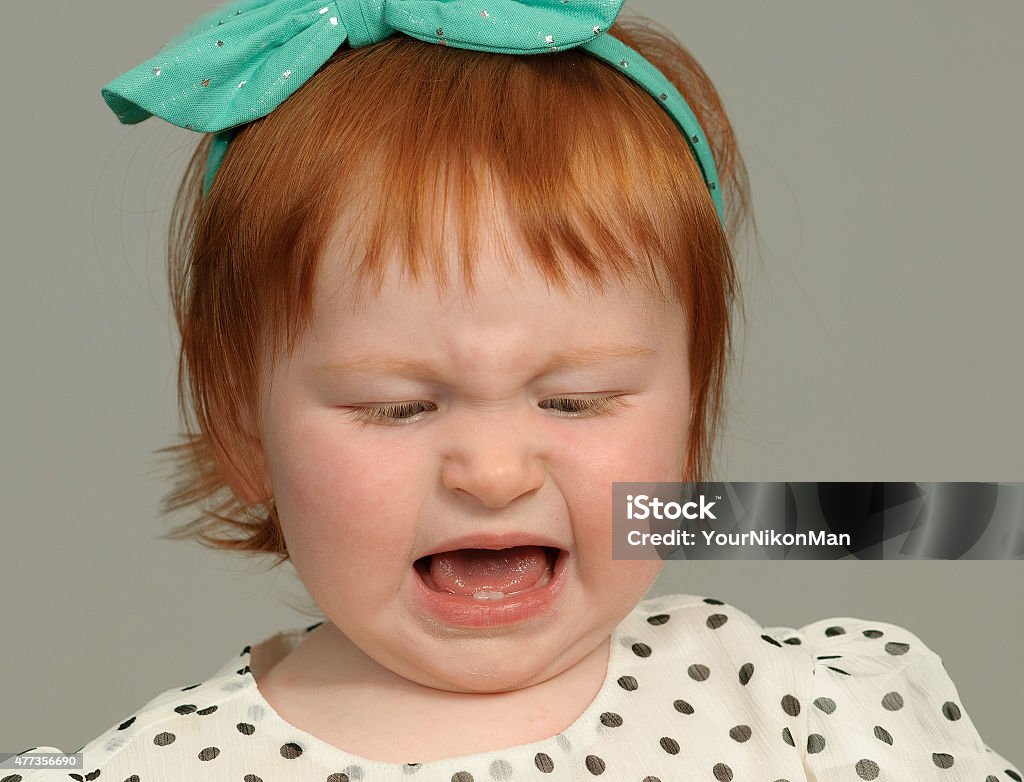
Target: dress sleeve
x=881 y=705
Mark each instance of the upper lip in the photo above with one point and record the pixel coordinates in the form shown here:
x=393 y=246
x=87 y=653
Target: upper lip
x=494 y=540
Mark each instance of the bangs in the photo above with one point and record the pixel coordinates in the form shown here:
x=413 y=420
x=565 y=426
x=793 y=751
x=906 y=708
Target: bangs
x=596 y=178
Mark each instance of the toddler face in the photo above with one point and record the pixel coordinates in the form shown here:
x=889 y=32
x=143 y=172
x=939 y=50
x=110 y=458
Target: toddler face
x=396 y=430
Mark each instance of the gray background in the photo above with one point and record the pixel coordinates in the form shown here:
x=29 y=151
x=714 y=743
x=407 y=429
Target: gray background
x=883 y=341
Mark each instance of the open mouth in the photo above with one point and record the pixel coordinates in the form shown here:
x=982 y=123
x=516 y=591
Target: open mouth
x=493 y=561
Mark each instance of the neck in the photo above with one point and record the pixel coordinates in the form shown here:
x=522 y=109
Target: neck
x=327 y=678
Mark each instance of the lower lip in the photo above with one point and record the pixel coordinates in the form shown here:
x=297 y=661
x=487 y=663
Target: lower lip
x=467 y=611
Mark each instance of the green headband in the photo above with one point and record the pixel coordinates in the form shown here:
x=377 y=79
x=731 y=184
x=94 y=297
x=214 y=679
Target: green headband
x=243 y=60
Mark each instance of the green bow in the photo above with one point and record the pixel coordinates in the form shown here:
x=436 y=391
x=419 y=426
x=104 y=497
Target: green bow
x=243 y=60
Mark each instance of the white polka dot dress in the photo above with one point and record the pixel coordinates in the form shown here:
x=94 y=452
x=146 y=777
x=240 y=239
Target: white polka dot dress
x=696 y=691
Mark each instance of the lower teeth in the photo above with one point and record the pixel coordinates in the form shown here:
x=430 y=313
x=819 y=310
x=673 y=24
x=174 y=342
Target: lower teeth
x=486 y=594
x=483 y=594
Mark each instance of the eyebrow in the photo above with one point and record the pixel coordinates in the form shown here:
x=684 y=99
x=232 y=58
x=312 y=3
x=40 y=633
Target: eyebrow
x=417 y=367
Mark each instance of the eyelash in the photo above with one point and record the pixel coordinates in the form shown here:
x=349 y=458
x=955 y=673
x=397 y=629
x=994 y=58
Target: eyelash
x=578 y=408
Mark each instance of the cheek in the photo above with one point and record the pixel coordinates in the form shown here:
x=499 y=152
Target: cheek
x=638 y=453
x=330 y=491
x=645 y=447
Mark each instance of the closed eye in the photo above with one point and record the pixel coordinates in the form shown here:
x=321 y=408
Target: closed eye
x=567 y=407
x=390 y=414
x=578 y=408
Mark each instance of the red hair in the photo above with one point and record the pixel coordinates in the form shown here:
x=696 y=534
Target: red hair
x=601 y=180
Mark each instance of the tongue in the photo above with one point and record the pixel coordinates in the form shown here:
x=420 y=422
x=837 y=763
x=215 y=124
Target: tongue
x=469 y=570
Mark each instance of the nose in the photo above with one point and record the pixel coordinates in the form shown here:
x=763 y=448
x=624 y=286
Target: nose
x=493 y=462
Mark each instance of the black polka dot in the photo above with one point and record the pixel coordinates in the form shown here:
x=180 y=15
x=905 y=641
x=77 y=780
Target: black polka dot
x=894 y=647
x=641 y=650
x=126 y=723
x=209 y=753
x=133 y=778
x=190 y=687
x=793 y=641
x=670 y=745
x=873 y=633
x=790 y=705
x=627 y=683
x=892 y=701
x=611 y=719
x=883 y=735
x=658 y=619
x=1012 y=775
x=163 y=739
x=462 y=776
x=185 y=708
x=245 y=728
x=251 y=778
x=950 y=711
x=340 y=777
x=12 y=777
x=746 y=672
x=207 y=710
x=827 y=705
x=544 y=763
x=991 y=778
x=942 y=759
x=771 y=640
x=712 y=602
x=867 y=769
x=740 y=733
x=650 y=779
x=683 y=707
x=716 y=620
x=788 y=737
x=834 y=630
x=595 y=765
x=698 y=672
x=722 y=772
x=245 y=651
x=313 y=627
x=291 y=750
x=815 y=743
x=837 y=670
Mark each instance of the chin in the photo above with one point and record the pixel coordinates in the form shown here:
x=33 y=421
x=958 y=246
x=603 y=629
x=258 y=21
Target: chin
x=483 y=680
x=497 y=670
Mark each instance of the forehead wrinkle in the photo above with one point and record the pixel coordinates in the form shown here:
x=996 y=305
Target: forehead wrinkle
x=579 y=358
